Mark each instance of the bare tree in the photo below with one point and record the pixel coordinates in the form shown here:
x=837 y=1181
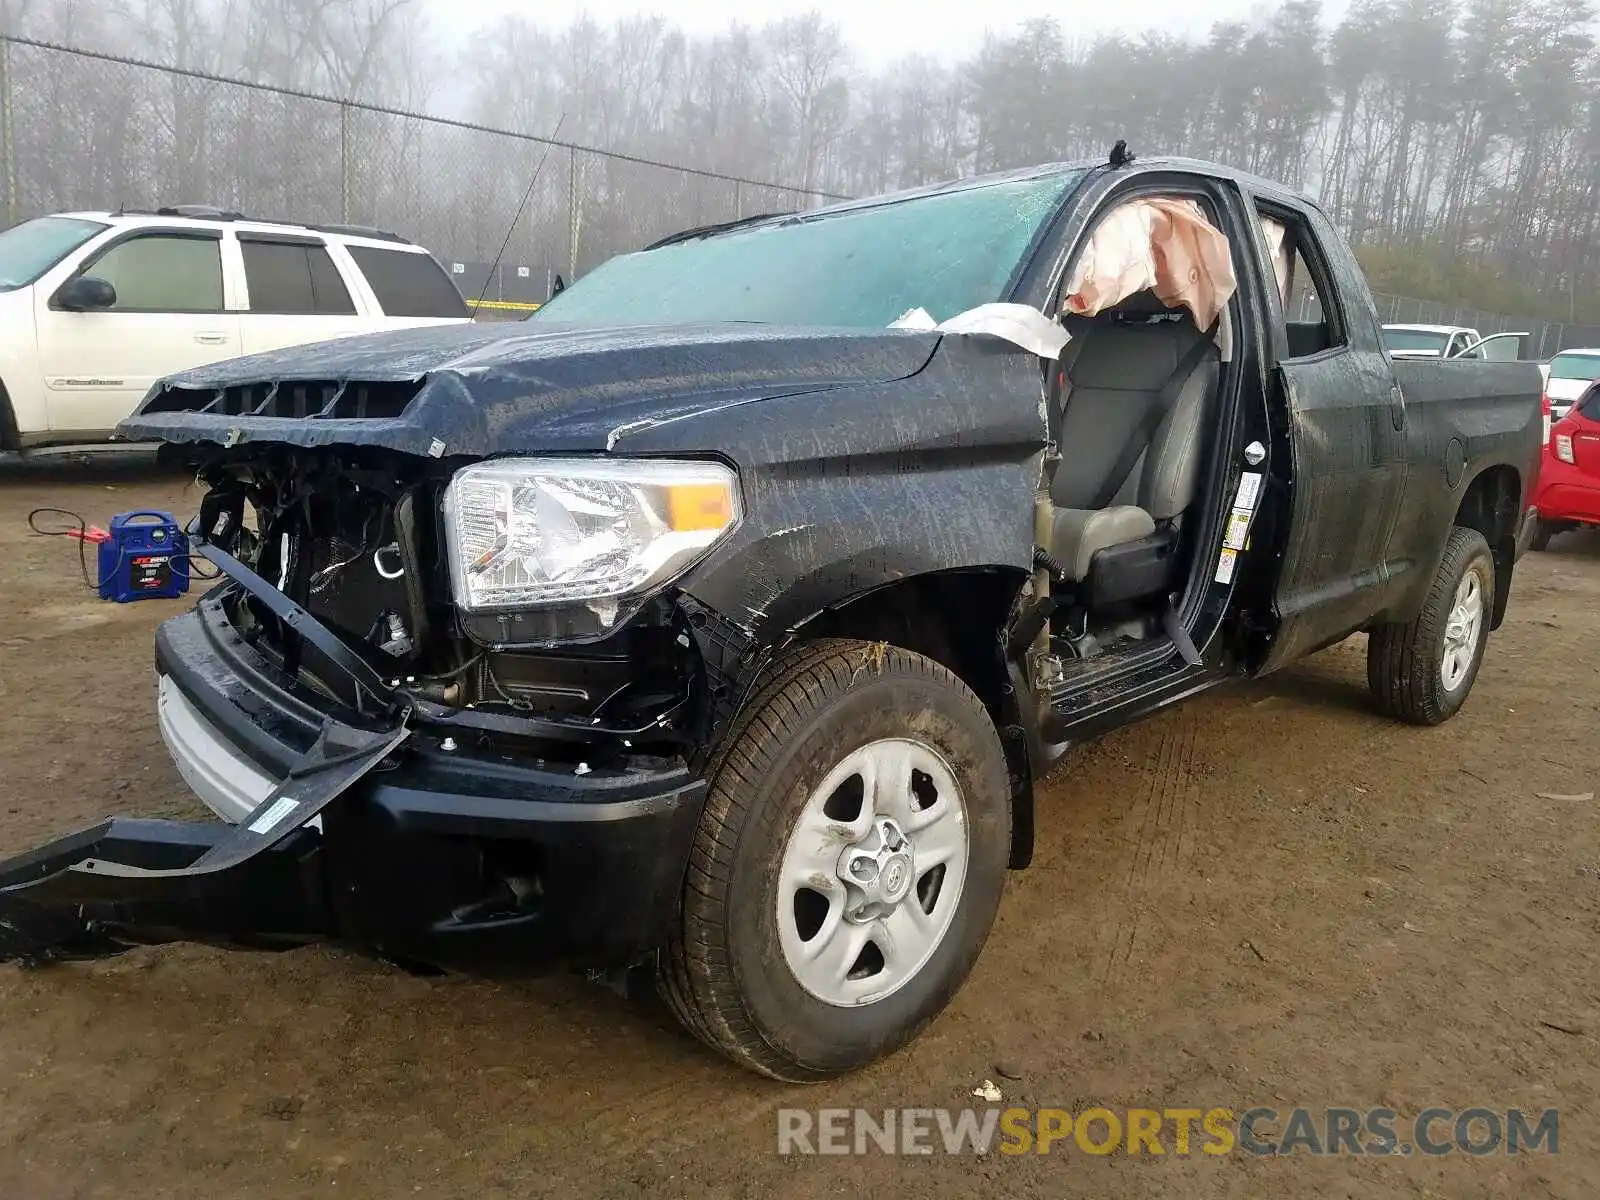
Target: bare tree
x=1458 y=141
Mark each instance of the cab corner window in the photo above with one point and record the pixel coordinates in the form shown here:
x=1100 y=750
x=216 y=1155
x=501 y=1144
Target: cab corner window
x=157 y=273
x=1311 y=324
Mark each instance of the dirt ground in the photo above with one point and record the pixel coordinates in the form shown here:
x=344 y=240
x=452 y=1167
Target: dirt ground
x=1269 y=897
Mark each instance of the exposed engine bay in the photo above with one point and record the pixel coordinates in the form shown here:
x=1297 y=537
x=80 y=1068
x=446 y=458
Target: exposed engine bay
x=357 y=540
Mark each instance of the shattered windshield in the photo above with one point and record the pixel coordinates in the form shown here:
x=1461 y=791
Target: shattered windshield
x=946 y=253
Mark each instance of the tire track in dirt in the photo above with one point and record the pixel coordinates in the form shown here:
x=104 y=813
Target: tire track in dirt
x=1166 y=817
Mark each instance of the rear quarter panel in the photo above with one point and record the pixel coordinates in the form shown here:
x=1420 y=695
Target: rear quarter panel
x=1463 y=418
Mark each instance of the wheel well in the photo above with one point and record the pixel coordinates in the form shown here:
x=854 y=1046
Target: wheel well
x=1490 y=506
x=958 y=619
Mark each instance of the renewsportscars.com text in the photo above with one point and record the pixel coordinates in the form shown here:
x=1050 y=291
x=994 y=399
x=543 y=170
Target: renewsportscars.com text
x=1180 y=1132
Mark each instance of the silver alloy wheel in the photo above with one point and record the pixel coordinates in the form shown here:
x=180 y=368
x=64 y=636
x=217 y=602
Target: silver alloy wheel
x=1461 y=632
x=872 y=873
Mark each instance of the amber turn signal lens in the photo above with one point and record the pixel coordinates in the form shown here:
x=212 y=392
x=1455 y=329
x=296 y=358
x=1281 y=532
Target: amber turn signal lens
x=692 y=507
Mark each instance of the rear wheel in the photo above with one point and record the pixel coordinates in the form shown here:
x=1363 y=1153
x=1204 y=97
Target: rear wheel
x=1422 y=671
x=848 y=865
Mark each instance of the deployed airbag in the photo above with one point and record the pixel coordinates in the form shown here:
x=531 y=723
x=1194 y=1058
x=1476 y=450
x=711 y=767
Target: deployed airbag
x=1158 y=244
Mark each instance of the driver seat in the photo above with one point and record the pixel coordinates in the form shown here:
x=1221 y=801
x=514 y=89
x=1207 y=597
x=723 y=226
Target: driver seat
x=1139 y=395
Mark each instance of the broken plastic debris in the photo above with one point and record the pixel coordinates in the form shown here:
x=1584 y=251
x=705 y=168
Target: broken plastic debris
x=1020 y=324
x=436 y=449
x=988 y=1092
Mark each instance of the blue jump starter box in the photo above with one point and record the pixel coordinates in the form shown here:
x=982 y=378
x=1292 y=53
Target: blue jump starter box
x=144 y=557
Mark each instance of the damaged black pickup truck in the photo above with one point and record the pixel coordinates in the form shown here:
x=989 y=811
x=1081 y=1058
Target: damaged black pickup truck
x=720 y=618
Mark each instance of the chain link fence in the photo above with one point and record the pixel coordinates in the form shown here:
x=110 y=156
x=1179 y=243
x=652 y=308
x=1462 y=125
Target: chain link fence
x=84 y=130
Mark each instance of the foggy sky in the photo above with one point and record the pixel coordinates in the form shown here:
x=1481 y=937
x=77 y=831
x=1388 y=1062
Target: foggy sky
x=879 y=31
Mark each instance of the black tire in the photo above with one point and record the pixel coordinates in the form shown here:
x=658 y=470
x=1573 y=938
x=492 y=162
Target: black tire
x=1543 y=531
x=724 y=974
x=1405 y=661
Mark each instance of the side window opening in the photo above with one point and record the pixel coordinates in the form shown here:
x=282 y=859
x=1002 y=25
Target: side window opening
x=293 y=278
x=163 y=273
x=1169 y=245
x=408 y=284
x=1136 y=402
x=1311 y=324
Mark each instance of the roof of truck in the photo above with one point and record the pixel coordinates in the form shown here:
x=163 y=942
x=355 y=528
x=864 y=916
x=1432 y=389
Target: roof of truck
x=1186 y=165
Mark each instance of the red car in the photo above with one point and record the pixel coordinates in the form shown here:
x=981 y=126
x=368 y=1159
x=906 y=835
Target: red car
x=1568 y=492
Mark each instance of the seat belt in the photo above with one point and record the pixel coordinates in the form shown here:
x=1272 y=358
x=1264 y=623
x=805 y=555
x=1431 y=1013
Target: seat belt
x=1141 y=435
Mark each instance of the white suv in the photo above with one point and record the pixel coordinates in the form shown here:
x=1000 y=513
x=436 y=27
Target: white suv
x=95 y=307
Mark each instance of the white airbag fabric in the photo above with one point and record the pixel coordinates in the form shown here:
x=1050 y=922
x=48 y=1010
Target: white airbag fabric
x=1019 y=324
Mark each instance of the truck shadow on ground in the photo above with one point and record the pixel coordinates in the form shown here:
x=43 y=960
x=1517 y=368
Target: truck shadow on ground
x=1313 y=687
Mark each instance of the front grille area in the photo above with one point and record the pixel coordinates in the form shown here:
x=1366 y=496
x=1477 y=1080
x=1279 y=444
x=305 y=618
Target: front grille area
x=336 y=549
x=302 y=399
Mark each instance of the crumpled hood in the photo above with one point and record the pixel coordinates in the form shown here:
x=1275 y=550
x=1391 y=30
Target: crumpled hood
x=486 y=389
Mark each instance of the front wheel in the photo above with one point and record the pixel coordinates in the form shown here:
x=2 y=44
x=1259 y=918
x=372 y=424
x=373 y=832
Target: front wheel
x=1422 y=671
x=1543 y=531
x=848 y=864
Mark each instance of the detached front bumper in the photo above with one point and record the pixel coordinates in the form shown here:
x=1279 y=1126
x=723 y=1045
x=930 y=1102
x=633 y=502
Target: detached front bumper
x=487 y=864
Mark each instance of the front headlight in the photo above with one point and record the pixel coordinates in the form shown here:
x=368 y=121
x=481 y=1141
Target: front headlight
x=537 y=532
